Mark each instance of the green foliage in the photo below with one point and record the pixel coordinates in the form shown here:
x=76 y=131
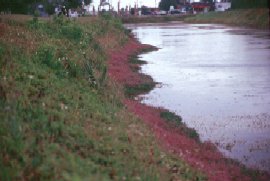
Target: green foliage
x=242 y=4
x=45 y=54
x=58 y=20
x=177 y=121
x=49 y=7
x=71 y=32
x=131 y=91
x=2 y=51
x=165 y=4
x=171 y=117
x=110 y=20
x=257 y=18
x=88 y=68
x=72 y=4
x=16 y=6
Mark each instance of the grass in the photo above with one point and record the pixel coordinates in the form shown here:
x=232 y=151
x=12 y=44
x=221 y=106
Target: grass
x=135 y=60
x=255 y=18
x=132 y=91
x=176 y=121
x=148 y=83
x=154 y=19
x=61 y=117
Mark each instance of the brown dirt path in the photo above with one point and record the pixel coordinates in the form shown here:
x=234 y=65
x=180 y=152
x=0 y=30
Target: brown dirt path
x=202 y=156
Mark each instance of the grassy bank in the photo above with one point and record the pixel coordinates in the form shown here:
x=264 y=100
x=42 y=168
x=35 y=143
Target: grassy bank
x=61 y=117
x=154 y=19
x=255 y=18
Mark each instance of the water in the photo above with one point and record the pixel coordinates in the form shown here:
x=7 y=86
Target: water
x=218 y=79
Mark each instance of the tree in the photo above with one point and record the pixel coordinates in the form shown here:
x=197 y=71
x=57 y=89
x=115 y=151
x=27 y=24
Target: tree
x=27 y=6
x=16 y=6
x=208 y=1
x=87 y=2
x=165 y=4
x=240 y=4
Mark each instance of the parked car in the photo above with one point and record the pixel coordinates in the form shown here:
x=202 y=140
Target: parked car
x=175 y=11
x=146 y=13
x=161 y=12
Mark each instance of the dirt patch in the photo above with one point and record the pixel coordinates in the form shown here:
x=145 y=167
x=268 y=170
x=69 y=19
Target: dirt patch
x=2 y=29
x=203 y=156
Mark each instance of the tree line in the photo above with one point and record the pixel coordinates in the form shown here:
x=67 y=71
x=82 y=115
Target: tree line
x=28 y=6
x=240 y=4
x=236 y=4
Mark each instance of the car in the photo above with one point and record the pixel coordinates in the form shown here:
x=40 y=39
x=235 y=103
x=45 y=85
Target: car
x=175 y=11
x=161 y=12
x=147 y=13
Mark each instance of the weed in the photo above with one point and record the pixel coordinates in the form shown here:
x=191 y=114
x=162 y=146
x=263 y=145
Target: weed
x=71 y=32
x=131 y=91
x=171 y=117
x=135 y=60
x=175 y=120
x=90 y=73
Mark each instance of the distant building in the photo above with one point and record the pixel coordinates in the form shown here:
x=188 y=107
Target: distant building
x=223 y=5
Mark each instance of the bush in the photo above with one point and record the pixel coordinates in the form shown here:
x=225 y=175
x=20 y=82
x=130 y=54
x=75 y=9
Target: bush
x=71 y=32
x=239 y=4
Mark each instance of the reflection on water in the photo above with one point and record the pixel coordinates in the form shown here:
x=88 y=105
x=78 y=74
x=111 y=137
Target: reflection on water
x=218 y=79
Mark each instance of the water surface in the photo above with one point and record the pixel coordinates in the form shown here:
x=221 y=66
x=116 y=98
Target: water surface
x=218 y=79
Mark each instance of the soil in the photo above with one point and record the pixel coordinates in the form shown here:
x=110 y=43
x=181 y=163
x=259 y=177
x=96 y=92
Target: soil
x=202 y=156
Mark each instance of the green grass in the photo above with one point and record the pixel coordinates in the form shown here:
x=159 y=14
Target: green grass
x=62 y=118
x=256 y=18
x=153 y=19
x=176 y=121
x=131 y=91
x=135 y=60
x=148 y=83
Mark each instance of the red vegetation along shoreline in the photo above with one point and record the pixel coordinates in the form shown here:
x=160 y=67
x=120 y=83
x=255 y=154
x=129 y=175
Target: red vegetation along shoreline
x=202 y=156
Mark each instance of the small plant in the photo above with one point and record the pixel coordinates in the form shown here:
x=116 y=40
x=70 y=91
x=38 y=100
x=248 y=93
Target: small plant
x=46 y=55
x=132 y=91
x=135 y=60
x=35 y=18
x=34 y=23
x=90 y=73
x=103 y=77
x=71 y=32
x=58 y=20
x=171 y=117
x=177 y=121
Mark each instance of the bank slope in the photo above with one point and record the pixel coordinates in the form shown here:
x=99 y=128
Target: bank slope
x=62 y=117
x=255 y=18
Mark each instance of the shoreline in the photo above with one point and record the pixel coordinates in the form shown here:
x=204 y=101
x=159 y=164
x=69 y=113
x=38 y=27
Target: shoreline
x=91 y=130
x=247 y=18
x=203 y=156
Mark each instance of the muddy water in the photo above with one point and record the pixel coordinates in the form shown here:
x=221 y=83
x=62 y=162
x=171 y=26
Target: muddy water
x=218 y=79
